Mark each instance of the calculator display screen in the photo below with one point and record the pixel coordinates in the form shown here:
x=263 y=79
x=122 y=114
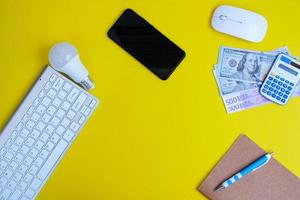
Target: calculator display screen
x=285 y=68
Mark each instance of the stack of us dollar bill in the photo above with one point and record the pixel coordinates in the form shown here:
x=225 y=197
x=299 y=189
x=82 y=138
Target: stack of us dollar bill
x=239 y=74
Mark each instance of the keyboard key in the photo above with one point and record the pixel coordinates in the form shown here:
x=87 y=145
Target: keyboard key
x=30 y=110
x=93 y=103
x=268 y=82
x=55 y=121
x=33 y=153
x=3 y=164
x=280 y=83
x=66 y=105
x=282 y=79
x=49 y=146
x=273 y=84
x=47 y=86
x=51 y=110
x=11 y=185
x=67 y=87
x=68 y=135
x=30 y=193
x=22 y=186
x=56 y=102
x=39 y=145
x=44 y=137
x=13 y=166
x=289 y=88
x=60 y=130
x=287 y=92
x=17 y=177
x=275 y=80
x=49 y=129
x=28 y=161
x=60 y=113
x=270 y=78
x=9 y=156
x=282 y=89
x=19 y=157
x=46 y=101
x=65 y=122
x=44 y=154
x=3 y=181
x=73 y=94
x=71 y=114
x=54 y=138
x=41 y=109
x=292 y=84
x=62 y=94
x=88 y=110
x=35 y=134
x=83 y=109
x=51 y=93
x=8 y=143
x=29 y=142
x=30 y=125
x=264 y=90
x=46 y=118
x=283 y=100
x=58 y=83
x=285 y=96
x=38 y=162
x=269 y=93
x=8 y=173
x=24 y=133
x=5 y=194
x=284 y=85
x=33 y=170
x=53 y=78
x=278 y=87
x=55 y=155
x=16 y=195
x=14 y=148
x=35 y=184
x=35 y=103
x=28 y=178
x=82 y=119
x=20 y=126
x=278 y=98
x=19 y=141
x=273 y=95
x=74 y=126
x=79 y=101
x=25 y=118
x=24 y=149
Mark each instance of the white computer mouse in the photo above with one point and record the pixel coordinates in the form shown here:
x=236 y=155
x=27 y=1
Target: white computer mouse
x=240 y=23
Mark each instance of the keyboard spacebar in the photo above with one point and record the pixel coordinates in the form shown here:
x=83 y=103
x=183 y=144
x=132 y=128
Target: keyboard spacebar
x=59 y=149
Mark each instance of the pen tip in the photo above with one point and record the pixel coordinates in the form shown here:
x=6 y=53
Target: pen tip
x=220 y=187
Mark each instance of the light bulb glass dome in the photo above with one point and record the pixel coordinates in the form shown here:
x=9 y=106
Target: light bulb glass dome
x=61 y=54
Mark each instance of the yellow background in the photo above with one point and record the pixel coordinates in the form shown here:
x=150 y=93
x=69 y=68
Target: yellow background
x=149 y=139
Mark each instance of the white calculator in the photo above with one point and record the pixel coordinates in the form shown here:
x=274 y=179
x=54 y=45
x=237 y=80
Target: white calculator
x=281 y=80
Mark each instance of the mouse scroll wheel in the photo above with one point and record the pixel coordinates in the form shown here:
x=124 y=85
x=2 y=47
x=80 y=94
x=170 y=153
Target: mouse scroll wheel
x=223 y=17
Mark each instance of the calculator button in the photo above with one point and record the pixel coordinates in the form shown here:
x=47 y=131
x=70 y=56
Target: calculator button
x=275 y=91
x=285 y=96
x=282 y=79
x=271 y=89
x=283 y=100
x=289 y=88
x=278 y=87
x=268 y=82
x=291 y=84
x=280 y=93
x=264 y=90
x=286 y=81
x=270 y=78
x=273 y=95
x=277 y=76
x=284 y=86
x=266 y=86
x=287 y=92
x=282 y=89
x=275 y=80
x=273 y=84
x=280 y=83
x=278 y=98
x=269 y=93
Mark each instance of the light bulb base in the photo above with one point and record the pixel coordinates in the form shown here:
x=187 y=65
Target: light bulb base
x=87 y=83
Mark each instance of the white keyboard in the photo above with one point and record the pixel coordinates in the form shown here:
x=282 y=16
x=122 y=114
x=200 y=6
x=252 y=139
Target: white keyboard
x=40 y=132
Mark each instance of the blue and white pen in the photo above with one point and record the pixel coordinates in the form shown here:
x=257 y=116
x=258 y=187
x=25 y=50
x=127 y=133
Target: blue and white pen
x=245 y=171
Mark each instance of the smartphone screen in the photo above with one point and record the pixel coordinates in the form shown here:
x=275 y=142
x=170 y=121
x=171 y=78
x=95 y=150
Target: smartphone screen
x=146 y=44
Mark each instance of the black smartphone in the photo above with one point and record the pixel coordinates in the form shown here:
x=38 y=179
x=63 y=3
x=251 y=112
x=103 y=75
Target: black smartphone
x=145 y=43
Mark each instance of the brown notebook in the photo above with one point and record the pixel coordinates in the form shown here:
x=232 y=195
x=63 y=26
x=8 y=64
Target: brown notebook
x=271 y=182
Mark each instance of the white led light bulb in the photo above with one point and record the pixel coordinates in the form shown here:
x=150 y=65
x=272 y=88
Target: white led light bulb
x=64 y=58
